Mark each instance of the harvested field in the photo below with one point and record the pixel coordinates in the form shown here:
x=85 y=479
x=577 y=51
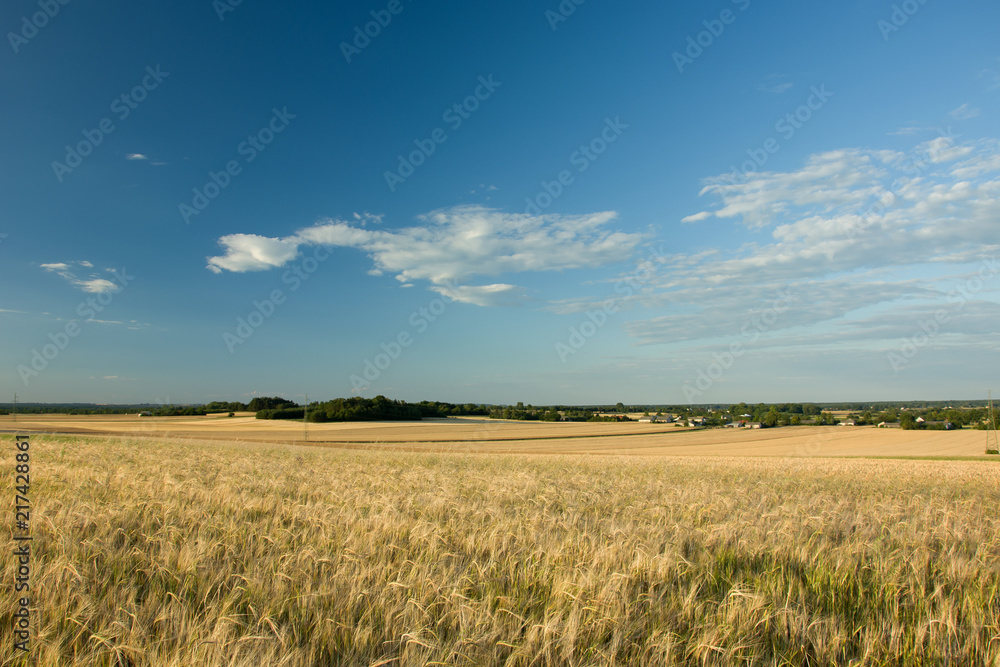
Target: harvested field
x=485 y=435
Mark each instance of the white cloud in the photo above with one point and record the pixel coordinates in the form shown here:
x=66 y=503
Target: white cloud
x=97 y=286
x=450 y=247
x=250 y=252
x=848 y=232
x=483 y=295
x=697 y=217
x=943 y=149
x=92 y=284
x=136 y=156
x=828 y=180
x=964 y=112
x=61 y=266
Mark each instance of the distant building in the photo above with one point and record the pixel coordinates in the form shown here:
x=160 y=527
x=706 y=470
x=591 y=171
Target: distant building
x=888 y=424
x=755 y=425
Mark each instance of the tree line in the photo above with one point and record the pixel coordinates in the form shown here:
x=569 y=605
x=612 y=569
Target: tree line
x=357 y=408
x=932 y=415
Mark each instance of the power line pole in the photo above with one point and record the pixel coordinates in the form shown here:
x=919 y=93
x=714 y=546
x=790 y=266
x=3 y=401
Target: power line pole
x=15 y=406
x=991 y=423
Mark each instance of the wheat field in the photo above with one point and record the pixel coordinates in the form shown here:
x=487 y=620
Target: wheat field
x=507 y=437
x=178 y=553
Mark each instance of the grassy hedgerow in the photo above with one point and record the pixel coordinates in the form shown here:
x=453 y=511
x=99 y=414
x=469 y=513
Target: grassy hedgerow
x=151 y=553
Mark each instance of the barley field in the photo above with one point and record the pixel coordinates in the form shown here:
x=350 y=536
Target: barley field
x=149 y=552
x=506 y=437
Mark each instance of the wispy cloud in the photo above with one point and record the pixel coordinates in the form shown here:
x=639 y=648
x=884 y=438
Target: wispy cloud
x=775 y=88
x=964 y=112
x=449 y=248
x=991 y=77
x=774 y=84
x=483 y=189
x=910 y=130
x=136 y=156
x=93 y=283
x=697 y=217
x=860 y=237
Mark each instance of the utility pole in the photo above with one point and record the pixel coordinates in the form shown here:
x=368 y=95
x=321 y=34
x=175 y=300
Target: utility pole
x=15 y=406
x=991 y=423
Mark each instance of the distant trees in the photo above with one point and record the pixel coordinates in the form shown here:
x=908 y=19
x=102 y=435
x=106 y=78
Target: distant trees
x=825 y=419
x=772 y=415
x=281 y=413
x=512 y=413
x=223 y=406
x=439 y=409
x=179 y=411
x=552 y=413
x=357 y=408
x=270 y=403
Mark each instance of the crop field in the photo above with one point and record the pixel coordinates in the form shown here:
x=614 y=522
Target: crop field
x=470 y=435
x=157 y=551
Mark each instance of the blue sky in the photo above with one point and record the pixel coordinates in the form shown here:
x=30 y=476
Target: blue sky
x=501 y=202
